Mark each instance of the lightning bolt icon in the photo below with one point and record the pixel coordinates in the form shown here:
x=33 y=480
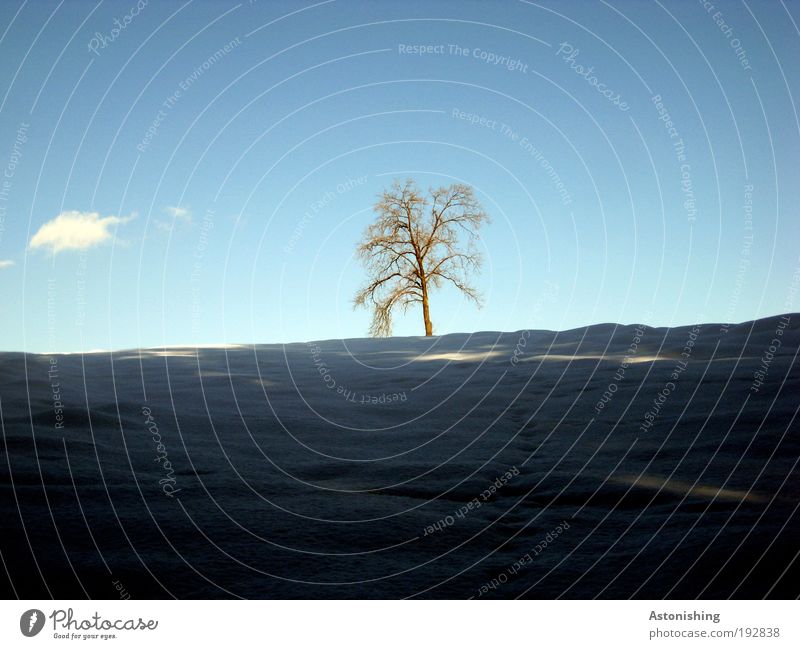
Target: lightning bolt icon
x=32 y=621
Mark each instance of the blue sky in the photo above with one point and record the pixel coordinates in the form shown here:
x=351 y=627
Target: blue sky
x=203 y=174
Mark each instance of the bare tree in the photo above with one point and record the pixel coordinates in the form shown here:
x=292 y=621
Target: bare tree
x=418 y=243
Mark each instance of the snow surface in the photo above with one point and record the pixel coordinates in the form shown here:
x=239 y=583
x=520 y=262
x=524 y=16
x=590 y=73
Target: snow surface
x=346 y=468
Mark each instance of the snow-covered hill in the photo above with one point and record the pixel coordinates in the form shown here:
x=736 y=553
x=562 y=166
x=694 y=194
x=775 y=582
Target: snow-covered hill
x=611 y=461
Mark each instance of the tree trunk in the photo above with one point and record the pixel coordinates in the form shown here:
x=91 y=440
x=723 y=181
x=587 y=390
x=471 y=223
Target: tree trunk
x=426 y=316
x=423 y=282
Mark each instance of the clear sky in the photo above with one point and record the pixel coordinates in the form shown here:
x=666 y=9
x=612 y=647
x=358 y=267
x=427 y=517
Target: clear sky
x=201 y=172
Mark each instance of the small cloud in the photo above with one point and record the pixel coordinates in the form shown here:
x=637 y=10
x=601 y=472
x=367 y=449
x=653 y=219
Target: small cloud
x=73 y=230
x=6 y=263
x=178 y=214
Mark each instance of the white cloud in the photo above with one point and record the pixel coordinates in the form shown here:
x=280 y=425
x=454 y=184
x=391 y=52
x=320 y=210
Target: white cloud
x=73 y=230
x=5 y=263
x=164 y=226
x=177 y=214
